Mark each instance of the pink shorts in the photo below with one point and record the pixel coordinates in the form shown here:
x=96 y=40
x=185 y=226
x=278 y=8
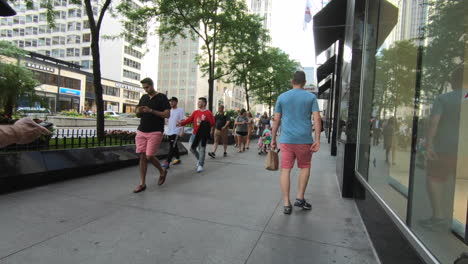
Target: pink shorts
x=291 y=152
x=148 y=142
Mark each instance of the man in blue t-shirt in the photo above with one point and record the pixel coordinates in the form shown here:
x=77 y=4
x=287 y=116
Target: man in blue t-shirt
x=293 y=112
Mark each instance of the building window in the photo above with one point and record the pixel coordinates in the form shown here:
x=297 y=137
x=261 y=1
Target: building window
x=131 y=95
x=86 y=37
x=113 y=91
x=86 y=51
x=42 y=17
x=131 y=75
x=87 y=64
x=132 y=63
x=85 y=24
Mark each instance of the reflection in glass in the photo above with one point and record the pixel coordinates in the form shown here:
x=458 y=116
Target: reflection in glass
x=440 y=194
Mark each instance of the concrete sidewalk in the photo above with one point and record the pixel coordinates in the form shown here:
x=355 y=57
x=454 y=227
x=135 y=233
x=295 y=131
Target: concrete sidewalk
x=231 y=213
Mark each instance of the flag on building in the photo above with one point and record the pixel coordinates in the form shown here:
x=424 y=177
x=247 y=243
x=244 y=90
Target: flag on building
x=307 y=14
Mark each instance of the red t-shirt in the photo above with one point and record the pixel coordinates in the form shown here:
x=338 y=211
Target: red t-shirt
x=197 y=117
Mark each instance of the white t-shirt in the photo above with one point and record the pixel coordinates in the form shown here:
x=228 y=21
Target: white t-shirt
x=177 y=115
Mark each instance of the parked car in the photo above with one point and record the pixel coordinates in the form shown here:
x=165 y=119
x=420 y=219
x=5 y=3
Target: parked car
x=127 y=115
x=112 y=113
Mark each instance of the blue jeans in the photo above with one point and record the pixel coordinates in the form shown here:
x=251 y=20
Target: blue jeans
x=198 y=148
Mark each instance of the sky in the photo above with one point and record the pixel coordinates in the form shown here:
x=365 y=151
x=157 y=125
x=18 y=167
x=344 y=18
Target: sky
x=287 y=33
x=288 y=29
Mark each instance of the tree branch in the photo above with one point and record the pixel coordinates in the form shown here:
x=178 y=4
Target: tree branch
x=101 y=15
x=180 y=13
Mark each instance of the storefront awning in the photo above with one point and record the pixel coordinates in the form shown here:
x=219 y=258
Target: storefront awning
x=387 y=21
x=327 y=84
x=325 y=69
x=5 y=9
x=329 y=25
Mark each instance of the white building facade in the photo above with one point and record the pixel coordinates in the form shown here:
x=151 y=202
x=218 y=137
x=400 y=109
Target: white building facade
x=70 y=40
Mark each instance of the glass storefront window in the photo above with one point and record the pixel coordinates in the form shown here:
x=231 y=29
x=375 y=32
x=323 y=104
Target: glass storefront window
x=413 y=135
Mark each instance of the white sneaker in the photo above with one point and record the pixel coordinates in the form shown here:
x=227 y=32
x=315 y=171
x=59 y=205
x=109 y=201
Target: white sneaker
x=199 y=169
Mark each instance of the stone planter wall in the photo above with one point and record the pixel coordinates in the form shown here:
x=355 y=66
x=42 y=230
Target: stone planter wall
x=59 y=121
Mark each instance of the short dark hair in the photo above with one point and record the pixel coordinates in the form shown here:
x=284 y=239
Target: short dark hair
x=299 y=78
x=242 y=111
x=203 y=99
x=148 y=81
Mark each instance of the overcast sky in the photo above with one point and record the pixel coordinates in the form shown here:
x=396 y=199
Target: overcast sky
x=287 y=33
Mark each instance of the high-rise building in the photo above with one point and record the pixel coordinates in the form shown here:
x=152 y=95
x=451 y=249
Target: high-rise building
x=178 y=71
x=264 y=9
x=412 y=16
x=310 y=75
x=179 y=75
x=70 y=40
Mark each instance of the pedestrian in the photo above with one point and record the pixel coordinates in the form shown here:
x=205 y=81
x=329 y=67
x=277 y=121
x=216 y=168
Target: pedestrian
x=264 y=120
x=292 y=112
x=251 y=128
x=203 y=125
x=234 y=130
x=242 y=126
x=152 y=109
x=174 y=133
x=266 y=140
x=390 y=138
x=222 y=122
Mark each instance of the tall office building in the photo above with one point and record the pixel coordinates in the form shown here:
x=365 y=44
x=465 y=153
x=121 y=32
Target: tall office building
x=310 y=75
x=412 y=16
x=179 y=75
x=70 y=40
x=178 y=71
x=264 y=9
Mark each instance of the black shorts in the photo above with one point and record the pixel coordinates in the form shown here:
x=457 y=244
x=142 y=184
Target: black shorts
x=241 y=134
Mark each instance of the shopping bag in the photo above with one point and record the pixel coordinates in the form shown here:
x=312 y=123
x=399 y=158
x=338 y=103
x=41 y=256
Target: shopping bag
x=272 y=161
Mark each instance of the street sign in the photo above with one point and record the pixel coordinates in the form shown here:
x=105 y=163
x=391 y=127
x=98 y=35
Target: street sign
x=70 y=91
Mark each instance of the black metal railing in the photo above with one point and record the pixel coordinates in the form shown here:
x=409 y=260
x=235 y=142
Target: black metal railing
x=75 y=138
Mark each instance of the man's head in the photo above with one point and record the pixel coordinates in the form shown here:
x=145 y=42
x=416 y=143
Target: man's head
x=221 y=108
x=173 y=101
x=148 y=86
x=267 y=126
x=202 y=102
x=299 y=79
x=243 y=112
x=457 y=78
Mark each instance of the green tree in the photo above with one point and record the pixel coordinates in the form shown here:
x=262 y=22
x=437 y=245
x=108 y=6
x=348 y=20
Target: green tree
x=16 y=81
x=95 y=18
x=243 y=51
x=207 y=20
x=396 y=76
x=273 y=77
x=446 y=39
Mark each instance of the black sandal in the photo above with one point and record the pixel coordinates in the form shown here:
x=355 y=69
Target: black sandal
x=287 y=209
x=140 y=188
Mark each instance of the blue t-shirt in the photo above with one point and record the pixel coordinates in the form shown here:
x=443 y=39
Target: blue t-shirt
x=296 y=107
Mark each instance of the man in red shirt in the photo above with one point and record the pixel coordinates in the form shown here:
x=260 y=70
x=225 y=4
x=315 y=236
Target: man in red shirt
x=203 y=125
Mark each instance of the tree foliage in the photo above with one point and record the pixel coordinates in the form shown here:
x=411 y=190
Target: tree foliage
x=207 y=20
x=243 y=50
x=16 y=81
x=272 y=77
x=446 y=37
x=396 y=76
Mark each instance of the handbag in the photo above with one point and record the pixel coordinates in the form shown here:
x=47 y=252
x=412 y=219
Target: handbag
x=272 y=161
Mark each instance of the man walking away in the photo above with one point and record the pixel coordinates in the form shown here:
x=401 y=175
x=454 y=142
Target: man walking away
x=174 y=132
x=203 y=124
x=222 y=121
x=152 y=109
x=293 y=112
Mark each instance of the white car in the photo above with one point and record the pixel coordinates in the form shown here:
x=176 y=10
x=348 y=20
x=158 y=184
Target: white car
x=112 y=113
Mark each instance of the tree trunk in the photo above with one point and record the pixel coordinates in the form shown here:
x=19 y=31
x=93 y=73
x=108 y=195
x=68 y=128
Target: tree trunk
x=98 y=87
x=95 y=28
x=9 y=107
x=247 y=96
x=210 y=93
